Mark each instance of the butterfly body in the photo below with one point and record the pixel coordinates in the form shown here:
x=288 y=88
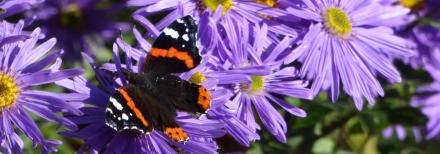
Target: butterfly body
x=153 y=96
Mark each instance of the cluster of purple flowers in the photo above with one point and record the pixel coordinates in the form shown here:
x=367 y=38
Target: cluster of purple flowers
x=254 y=53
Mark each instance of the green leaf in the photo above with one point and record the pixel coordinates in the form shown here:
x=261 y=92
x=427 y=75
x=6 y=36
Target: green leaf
x=312 y=118
x=356 y=141
x=407 y=116
x=323 y=145
x=371 y=146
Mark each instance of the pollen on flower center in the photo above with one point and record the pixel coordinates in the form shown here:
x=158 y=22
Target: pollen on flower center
x=412 y=4
x=71 y=16
x=257 y=83
x=255 y=87
x=8 y=91
x=213 y=4
x=336 y=21
x=271 y=3
x=197 y=78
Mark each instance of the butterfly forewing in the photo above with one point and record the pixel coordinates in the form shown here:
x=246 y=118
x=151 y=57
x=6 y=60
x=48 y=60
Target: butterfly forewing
x=175 y=50
x=128 y=110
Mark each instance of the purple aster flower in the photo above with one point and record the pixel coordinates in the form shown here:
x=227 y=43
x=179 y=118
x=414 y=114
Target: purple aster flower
x=393 y=13
x=430 y=107
x=406 y=17
x=343 y=44
x=12 y=7
x=427 y=41
x=428 y=100
x=212 y=75
x=101 y=138
x=23 y=65
x=244 y=51
x=426 y=37
x=77 y=23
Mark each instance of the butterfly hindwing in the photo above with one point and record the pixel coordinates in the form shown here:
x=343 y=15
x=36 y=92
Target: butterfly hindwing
x=183 y=95
x=168 y=125
x=175 y=50
x=128 y=110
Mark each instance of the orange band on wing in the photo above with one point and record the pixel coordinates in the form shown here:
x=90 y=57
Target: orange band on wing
x=173 y=53
x=176 y=134
x=204 y=98
x=133 y=107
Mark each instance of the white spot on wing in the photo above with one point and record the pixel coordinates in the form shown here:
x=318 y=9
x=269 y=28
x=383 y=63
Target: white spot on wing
x=179 y=20
x=116 y=103
x=124 y=116
x=185 y=37
x=171 y=32
x=109 y=110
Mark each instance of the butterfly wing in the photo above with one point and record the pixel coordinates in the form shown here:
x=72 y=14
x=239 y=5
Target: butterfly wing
x=169 y=126
x=183 y=95
x=175 y=50
x=129 y=110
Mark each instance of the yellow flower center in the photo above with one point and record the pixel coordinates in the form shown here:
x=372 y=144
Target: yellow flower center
x=71 y=16
x=336 y=21
x=412 y=4
x=257 y=83
x=8 y=91
x=213 y=4
x=271 y=3
x=197 y=78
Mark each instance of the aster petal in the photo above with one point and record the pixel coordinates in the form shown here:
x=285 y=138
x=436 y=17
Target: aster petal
x=25 y=123
x=118 y=63
x=40 y=65
x=40 y=51
x=259 y=8
x=278 y=49
x=53 y=100
x=147 y=24
x=270 y=118
x=289 y=108
x=140 y=2
x=17 y=60
x=141 y=41
x=47 y=76
x=388 y=132
x=116 y=140
x=305 y=14
x=251 y=70
x=393 y=45
x=201 y=128
x=12 y=39
x=162 y=6
x=46 y=113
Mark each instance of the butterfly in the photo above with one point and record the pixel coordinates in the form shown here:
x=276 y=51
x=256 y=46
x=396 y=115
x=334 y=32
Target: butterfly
x=153 y=96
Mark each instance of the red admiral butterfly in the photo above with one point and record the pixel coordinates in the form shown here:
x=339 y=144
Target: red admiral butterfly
x=151 y=99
